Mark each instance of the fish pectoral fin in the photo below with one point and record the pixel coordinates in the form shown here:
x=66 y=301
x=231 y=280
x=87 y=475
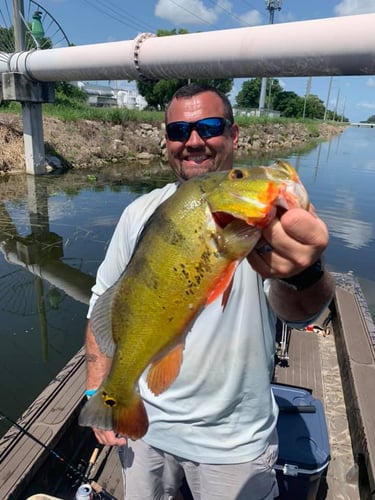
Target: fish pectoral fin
x=164 y=371
x=223 y=284
x=130 y=420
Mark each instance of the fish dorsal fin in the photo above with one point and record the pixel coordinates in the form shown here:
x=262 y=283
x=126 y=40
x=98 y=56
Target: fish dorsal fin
x=164 y=371
x=101 y=322
x=223 y=284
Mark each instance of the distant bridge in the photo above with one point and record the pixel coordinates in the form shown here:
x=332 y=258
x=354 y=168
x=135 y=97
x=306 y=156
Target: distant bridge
x=363 y=124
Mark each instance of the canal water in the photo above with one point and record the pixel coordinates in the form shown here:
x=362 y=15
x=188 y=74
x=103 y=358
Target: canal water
x=55 y=231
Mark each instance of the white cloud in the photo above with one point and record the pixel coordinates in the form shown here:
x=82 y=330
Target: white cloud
x=366 y=105
x=353 y=232
x=251 y=18
x=185 y=12
x=352 y=7
x=370 y=82
x=194 y=12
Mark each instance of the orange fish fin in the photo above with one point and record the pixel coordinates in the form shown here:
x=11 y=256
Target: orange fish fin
x=131 y=420
x=164 y=371
x=223 y=284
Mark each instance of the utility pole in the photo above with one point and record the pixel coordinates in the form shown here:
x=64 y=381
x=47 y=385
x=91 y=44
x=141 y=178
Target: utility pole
x=337 y=105
x=328 y=96
x=31 y=95
x=19 y=27
x=271 y=6
x=307 y=95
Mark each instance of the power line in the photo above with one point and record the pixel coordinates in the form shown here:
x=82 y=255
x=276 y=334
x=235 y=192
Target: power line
x=117 y=15
x=233 y=16
x=193 y=14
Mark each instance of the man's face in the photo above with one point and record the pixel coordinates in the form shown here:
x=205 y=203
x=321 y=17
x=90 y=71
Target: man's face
x=197 y=155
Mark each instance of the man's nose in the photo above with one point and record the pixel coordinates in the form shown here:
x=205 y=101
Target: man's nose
x=194 y=139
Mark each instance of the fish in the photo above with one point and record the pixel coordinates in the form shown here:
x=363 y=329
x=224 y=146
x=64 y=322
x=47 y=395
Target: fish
x=184 y=259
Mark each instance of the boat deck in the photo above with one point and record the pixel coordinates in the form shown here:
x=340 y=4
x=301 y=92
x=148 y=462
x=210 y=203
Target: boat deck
x=313 y=364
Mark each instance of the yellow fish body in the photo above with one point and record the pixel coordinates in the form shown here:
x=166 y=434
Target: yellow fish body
x=185 y=259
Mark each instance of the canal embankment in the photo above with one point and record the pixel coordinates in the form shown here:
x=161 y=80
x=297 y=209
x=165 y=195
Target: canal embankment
x=94 y=144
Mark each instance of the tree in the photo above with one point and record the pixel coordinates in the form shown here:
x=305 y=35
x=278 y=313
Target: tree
x=314 y=107
x=289 y=104
x=158 y=94
x=7 y=40
x=248 y=96
x=370 y=119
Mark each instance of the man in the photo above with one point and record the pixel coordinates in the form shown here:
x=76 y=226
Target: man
x=216 y=423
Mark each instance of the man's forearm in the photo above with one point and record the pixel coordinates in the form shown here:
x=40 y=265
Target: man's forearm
x=97 y=363
x=295 y=305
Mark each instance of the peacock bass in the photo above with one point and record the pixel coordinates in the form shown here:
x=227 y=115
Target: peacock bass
x=185 y=259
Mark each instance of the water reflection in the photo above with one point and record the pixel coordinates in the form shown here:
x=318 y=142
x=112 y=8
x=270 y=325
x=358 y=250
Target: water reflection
x=41 y=253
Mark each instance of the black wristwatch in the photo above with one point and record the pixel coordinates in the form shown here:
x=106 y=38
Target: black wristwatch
x=306 y=278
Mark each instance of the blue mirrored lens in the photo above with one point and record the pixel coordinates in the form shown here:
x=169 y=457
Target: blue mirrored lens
x=206 y=128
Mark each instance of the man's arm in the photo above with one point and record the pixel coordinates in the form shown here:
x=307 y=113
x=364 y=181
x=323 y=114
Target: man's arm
x=291 y=246
x=97 y=367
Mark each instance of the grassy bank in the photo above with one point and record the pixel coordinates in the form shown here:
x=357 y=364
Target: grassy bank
x=117 y=116
x=81 y=136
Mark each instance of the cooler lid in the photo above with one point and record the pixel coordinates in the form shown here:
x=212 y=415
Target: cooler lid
x=302 y=429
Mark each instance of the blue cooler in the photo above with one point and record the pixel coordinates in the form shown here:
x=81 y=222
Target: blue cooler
x=304 y=452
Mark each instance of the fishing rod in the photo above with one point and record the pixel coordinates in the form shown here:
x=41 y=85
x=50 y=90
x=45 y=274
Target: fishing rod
x=78 y=473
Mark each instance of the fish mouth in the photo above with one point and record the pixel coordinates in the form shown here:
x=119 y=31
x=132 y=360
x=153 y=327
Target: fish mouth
x=222 y=219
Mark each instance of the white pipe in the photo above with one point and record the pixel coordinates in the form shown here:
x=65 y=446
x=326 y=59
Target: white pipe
x=72 y=281
x=333 y=46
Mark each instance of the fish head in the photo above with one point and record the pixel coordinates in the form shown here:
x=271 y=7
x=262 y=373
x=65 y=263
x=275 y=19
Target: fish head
x=253 y=194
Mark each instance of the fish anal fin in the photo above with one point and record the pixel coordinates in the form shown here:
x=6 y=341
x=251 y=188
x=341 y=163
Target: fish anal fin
x=164 y=371
x=223 y=284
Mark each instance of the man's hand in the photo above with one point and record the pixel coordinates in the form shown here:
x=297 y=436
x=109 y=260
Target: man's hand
x=289 y=244
x=109 y=438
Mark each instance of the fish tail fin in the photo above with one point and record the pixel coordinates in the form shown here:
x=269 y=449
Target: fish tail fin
x=129 y=420
x=95 y=414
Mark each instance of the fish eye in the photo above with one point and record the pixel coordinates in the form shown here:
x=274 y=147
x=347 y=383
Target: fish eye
x=236 y=174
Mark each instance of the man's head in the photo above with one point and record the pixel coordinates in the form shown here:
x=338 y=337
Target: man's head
x=195 y=145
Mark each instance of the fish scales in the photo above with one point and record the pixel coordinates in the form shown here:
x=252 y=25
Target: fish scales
x=185 y=258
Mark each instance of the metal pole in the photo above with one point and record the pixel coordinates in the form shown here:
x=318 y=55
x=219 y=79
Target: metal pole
x=31 y=111
x=19 y=27
x=271 y=5
x=328 y=95
x=308 y=89
x=337 y=104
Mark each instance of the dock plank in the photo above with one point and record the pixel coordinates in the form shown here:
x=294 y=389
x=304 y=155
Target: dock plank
x=45 y=419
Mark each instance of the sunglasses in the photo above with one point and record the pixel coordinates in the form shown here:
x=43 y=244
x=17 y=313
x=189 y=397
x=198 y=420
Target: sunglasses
x=206 y=128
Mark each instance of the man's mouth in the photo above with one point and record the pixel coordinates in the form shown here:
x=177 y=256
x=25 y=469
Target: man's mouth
x=196 y=158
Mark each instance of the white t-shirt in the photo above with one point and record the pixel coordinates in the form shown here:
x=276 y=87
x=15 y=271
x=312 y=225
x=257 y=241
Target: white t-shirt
x=220 y=409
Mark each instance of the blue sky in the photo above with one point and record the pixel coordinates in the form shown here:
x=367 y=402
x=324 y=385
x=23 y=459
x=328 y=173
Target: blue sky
x=96 y=21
